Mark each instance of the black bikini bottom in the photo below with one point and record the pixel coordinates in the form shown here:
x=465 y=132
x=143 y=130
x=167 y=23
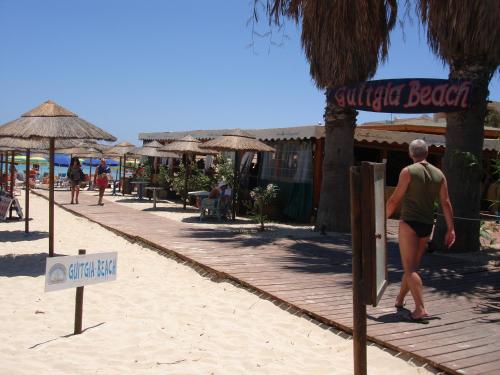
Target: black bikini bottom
x=421 y=229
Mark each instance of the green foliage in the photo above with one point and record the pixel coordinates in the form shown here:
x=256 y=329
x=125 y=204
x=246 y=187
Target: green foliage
x=261 y=197
x=196 y=181
x=163 y=178
x=467 y=159
x=486 y=233
x=492 y=119
x=224 y=170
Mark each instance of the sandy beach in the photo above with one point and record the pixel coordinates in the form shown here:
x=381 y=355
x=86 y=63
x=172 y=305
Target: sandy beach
x=158 y=317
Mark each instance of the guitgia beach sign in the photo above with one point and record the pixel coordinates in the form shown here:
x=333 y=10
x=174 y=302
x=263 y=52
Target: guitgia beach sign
x=408 y=95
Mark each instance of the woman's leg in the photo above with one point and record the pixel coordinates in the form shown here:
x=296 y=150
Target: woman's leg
x=72 y=193
x=101 y=194
x=77 y=192
x=409 y=246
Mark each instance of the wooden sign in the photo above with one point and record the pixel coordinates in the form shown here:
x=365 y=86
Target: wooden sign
x=374 y=241
x=369 y=250
x=75 y=271
x=408 y=95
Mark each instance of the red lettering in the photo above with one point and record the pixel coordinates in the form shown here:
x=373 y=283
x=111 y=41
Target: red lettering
x=388 y=89
x=360 y=95
x=453 y=89
x=369 y=91
x=414 y=95
x=395 y=95
x=351 y=97
x=379 y=96
x=340 y=96
x=463 y=92
x=425 y=95
x=438 y=95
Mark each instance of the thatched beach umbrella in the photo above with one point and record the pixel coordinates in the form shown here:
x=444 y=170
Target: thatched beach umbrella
x=237 y=141
x=152 y=149
x=51 y=121
x=120 y=150
x=187 y=146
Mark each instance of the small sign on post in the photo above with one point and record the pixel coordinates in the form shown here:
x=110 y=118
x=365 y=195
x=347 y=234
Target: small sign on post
x=369 y=250
x=77 y=271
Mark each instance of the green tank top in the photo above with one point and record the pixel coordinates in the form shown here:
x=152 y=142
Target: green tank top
x=422 y=192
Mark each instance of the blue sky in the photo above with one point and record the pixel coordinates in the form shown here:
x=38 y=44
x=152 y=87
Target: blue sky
x=133 y=66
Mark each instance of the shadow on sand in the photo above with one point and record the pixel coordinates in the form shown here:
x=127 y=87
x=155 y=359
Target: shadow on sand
x=13 y=265
x=21 y=235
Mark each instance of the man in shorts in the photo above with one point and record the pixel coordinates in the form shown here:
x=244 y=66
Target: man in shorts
x=420 y=185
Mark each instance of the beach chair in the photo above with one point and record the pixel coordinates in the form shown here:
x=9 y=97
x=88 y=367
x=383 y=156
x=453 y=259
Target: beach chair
x=218 y=208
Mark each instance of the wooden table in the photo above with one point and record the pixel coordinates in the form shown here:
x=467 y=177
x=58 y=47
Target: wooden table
x=155 y=189
x=140 y=187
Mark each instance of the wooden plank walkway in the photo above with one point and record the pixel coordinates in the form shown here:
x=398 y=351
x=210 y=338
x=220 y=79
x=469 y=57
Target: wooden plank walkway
x=313 y=274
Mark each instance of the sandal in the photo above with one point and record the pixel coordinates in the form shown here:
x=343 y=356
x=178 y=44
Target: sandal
x=400 y=307
x=421 y=320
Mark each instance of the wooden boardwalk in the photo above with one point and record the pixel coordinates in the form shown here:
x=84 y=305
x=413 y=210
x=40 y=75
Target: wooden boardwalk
x=313 y=274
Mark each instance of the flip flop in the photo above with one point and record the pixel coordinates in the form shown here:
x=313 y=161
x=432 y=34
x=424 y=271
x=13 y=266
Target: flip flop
x=400 y=307
x=422 y=320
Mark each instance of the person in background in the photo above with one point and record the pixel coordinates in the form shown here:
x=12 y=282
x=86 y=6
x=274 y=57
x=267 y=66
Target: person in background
x=420 y=185
x=75 y=177
x=101 y=176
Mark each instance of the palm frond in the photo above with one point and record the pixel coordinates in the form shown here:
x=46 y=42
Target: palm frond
x=463 y=30
x=343 y=40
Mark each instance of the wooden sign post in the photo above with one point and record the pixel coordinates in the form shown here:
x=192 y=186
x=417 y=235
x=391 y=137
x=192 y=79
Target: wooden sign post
x=64 y=272
x=369 y=250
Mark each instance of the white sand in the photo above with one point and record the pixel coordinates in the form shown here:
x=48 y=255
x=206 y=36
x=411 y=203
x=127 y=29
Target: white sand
x=159 y=317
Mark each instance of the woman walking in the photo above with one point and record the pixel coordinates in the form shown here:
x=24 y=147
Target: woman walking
x=101 y=179
x=75 y=176
x=420 y=185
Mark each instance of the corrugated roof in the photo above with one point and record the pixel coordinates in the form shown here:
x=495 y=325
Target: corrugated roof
x=318 y=131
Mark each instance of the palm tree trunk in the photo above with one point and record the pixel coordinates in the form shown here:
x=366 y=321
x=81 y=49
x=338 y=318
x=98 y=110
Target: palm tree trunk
x=463 y=159
x=334 y=210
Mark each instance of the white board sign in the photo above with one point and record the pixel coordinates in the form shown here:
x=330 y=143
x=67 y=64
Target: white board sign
x=73 y=271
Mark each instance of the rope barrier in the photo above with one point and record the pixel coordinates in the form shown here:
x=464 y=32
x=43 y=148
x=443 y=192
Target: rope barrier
x=492 y=217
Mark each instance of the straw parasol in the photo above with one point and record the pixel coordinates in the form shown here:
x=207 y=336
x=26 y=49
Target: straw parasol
x=187 y=146
x=120 y=150
x=51 y=121
x=237 y=141
x=152 y=149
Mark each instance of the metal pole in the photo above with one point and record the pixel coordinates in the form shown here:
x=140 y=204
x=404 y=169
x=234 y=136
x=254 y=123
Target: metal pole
x=27 y=197
x=12 y=181
x=79 y=304
x=124 y=166
x=51 y=197
x=359 y=306
x=12 y=167
x=236 y=186
x=184 y=159
x=90 y=175
x=1 y=170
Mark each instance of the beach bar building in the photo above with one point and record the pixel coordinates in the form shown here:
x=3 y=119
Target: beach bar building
x=296 y=166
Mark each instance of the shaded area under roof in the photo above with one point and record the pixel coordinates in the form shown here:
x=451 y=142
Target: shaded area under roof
x=362 y=134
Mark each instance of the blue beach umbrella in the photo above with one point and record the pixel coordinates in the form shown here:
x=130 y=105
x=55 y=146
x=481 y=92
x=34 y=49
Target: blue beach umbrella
x=96 y=162
x=62 y=160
